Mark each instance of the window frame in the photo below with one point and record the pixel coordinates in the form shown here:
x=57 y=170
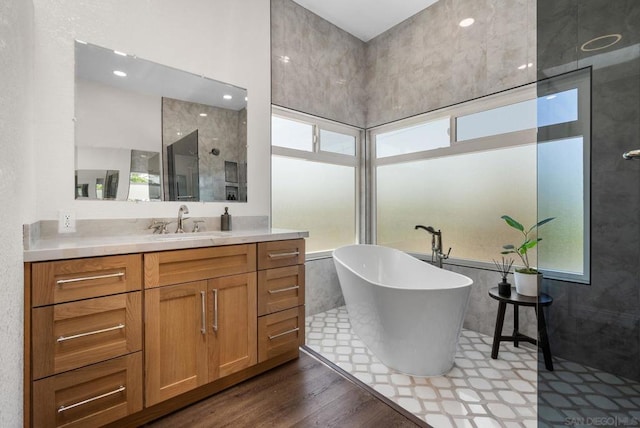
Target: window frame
x=580 y=79
x=320 y=156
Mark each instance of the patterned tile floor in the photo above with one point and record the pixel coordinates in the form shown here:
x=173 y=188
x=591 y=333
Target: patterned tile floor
x=579 y=396
x=481 y=392
x=477 y=392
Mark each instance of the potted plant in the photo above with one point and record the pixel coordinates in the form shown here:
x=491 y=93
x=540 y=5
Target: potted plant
x=527 y=279
x=504 y=287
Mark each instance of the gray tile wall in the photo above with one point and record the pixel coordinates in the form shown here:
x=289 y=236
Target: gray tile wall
x=599 y=324
x=429 y=61
x=424 y=63
x=483 y=309
x=322 y=288
x=223 y=129
x=324 y=74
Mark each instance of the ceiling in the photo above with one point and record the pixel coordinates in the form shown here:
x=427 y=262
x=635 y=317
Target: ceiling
x=365 y=19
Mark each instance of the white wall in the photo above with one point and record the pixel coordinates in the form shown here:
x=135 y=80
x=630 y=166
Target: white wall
x=16 y=186
x=226 y=40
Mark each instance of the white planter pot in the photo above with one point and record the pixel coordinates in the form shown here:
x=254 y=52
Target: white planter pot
x=527 y=284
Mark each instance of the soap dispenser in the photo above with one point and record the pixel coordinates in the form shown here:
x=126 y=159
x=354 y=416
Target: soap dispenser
x=225 y=220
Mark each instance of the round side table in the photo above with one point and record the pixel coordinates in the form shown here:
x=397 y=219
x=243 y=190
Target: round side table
x=518 y=300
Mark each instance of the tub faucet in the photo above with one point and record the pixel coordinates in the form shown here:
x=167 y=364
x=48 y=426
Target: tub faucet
x=436 y=245
x=182 y=210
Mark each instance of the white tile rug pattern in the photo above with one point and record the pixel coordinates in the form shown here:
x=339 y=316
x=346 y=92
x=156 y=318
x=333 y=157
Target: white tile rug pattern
x=477 y=392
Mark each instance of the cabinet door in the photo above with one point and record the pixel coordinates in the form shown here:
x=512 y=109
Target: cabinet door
x=175 y=340
x=232 y=324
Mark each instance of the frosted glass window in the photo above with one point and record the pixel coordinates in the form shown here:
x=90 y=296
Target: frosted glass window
x=317 y=197
x=548 y=110
x=463 y=195
x=561 y=195
x=336 y=142
x=509 y=118
x=291 y=134
x=426 y=136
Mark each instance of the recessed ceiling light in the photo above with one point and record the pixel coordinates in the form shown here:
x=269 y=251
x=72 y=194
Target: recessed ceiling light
x=284 y=58
x=203 y=114
x=119 y=73
x=605 y=42
x=120 y=53
x=522 y=67
x=467 y=22
x=227 y=97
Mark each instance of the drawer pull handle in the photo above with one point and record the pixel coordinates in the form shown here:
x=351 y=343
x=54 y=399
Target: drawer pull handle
x=215 y=309
x=282 y=290
x=203 y=298
x=89 y=278
x=89 y=333
x=89 y=400
x=286 y=332
x=282 y=255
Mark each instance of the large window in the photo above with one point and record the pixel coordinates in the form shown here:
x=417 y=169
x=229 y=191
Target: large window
x=315 y=177
x=524 y=153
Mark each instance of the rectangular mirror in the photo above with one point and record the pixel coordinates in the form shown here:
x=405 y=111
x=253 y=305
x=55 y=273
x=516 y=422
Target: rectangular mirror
x=148 y=132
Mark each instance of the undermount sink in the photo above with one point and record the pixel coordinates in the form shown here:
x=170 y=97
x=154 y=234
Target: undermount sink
x=188 y=236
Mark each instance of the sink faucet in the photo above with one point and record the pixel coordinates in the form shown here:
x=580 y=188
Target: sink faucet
x=182 y=210
x=436 y=244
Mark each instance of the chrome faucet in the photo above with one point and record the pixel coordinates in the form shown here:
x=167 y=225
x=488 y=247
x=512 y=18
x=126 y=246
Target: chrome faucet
x=436 y=245
x=182 y=210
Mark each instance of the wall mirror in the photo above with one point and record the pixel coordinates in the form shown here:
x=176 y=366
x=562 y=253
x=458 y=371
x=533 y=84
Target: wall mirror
x=148 y=132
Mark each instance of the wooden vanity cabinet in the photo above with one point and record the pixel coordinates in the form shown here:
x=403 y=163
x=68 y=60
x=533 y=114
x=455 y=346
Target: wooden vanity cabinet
x=281 y=285
x=84 y=340
x=200 y=331
x=203 y=319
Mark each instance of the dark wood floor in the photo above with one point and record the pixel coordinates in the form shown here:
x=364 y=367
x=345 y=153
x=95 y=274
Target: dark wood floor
x=301 y=393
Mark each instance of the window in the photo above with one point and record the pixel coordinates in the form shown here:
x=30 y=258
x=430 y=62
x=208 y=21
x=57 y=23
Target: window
x=524 y=153
x=315 y=177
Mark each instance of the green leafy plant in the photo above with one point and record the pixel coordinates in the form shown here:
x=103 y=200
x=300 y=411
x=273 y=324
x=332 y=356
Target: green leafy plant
x=527 y=244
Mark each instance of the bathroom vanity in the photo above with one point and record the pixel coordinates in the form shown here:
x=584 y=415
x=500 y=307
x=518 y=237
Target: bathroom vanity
x=128 y=331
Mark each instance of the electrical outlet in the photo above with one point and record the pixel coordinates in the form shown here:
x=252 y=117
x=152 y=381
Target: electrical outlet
x=66 y=221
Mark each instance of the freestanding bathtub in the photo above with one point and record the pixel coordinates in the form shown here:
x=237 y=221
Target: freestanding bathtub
x=408 y=312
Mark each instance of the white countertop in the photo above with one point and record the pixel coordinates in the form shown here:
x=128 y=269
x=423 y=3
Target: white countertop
x=75 y=247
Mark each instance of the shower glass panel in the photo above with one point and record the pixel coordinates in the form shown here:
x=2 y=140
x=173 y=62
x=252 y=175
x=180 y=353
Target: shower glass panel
x=594 y=330
x=551 y=109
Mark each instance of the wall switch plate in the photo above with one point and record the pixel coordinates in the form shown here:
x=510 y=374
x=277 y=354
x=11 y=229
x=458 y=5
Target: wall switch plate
x=66 y=221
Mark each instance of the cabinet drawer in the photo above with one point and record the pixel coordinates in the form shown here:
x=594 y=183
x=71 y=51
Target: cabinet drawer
x=91 y=396
x=280 y=253
x=280 y=289
x=72 y=335
x=180 y=266
x=280 y=332
x=68 y=280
